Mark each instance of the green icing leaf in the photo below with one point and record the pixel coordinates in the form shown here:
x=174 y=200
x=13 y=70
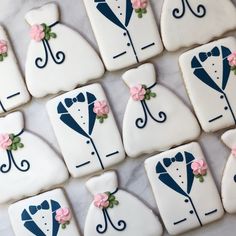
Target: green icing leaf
x=47 y=36
x=116 y=202
x=112 y=198
x=153 y=95
x=1 y=57
x=44 y=26
x=16 y=140
x=14 y=146
x=101 y=119
x=53 y=35
x=63 y=226
x=144 y=11
x=20 y=145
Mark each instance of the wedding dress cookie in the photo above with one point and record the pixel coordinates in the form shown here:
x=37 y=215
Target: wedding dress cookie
x=13 y=92
x=48 y=214
x=58 y=57
x=115 y=212
x=184 y=189
x=86 y=130
x=188 y=22
x=228 y=189
x=27 y=165
x=211 y=83
x=152 y=114
x=125 y=30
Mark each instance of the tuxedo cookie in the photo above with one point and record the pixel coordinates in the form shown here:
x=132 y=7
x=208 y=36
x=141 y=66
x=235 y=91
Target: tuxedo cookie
x=23 y=158
x=86 y=130
x=211 y=83
x=115 y=212
x=228 y=189
x=58 y=58
x=13 y=92
x=152 y=113
x=185 y=23
x=125 y=30
x=184 y=188
x=46 y=214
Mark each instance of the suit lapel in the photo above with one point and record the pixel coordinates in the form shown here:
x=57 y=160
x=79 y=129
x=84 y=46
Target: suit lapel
x=201 y=74
x=129 y=11
x=226 y=67
x=91 y=115
x=168 y=180
x=55 y=224
x=30 y=224
x=109 y=14
x=70 y=122
x=190 y=176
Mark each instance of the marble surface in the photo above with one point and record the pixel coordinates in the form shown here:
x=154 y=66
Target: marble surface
x=131 y=173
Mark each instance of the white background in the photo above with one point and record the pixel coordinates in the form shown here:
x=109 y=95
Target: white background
x=131 y=173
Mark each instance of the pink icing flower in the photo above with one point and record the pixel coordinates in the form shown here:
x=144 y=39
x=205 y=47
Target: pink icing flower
x=63 y=215
x=232 y=59
x=3 y=47
x=37 y=32
x=101 y=200
x=233 y=151
x=5 y=141
x=101 y=108
x=139 y=4
x=138 y=92
x=199 y=167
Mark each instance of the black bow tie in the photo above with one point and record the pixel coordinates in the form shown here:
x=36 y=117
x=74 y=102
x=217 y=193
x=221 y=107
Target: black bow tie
x=168 y=161
x=70 y=101
x=215 y=52
x=43 y=206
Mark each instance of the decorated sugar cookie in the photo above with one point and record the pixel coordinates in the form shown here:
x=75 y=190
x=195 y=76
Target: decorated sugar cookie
x=13 y=92
x=155 y=119
x=208 y=73
x=185 y=23
x=23 y=158
x=184 y=189
x=125 y=30
x=115 y=212
x=58 y=58
x=48 y=214
x=228 y=187
x=86 y=130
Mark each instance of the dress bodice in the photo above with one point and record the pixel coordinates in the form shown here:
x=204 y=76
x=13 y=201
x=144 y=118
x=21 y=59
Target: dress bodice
x=229 y=138
x=48 y=14
x=106 y=182
x=12 y=123
x=144 y=75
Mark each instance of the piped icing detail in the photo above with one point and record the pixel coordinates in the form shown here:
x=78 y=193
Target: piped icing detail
x=199 y=168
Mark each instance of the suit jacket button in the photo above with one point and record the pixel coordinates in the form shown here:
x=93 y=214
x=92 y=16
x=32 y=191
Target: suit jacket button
x=221 y=96
x=191 y=212
x=128 y=44
x=92 y=153
x=226 y=108
x=88 y=142
x=186 y=200
x=124 y=34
